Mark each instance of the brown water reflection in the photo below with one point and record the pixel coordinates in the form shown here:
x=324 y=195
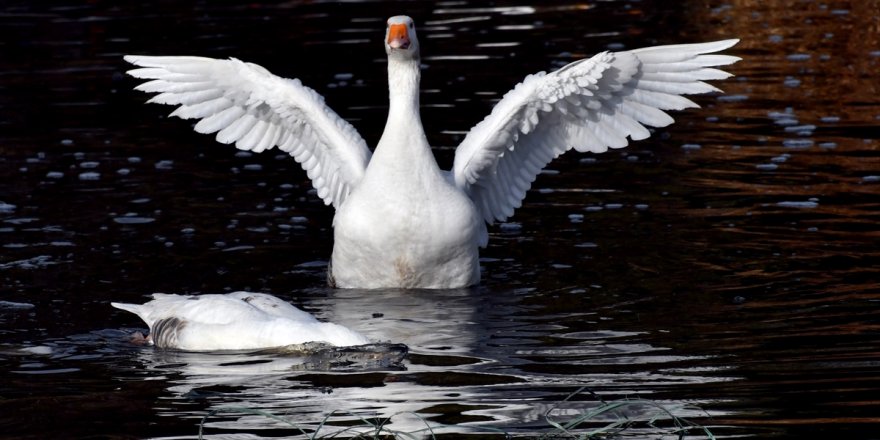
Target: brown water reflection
x=730 y=261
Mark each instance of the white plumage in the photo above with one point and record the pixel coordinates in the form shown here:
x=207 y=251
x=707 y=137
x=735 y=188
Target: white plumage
x=401 y=221
x=235 y=321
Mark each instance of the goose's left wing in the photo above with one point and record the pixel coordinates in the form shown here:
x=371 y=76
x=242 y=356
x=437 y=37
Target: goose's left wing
x=246 y=104
x=589 y=105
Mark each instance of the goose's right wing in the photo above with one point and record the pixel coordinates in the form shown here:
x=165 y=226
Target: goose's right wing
x=245 y=104
x=589 y=105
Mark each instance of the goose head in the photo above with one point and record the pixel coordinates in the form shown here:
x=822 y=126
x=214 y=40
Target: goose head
x=400 y=38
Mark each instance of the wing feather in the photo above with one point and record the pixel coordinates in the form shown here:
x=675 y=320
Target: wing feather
x=589 y=105
x=245 y=104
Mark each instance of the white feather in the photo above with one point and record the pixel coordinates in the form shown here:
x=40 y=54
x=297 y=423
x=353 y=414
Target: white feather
x=591 y=105
x=234 y=321
x=245 y=104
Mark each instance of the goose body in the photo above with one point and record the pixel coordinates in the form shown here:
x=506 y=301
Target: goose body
x=400 y=221
x=234 y=321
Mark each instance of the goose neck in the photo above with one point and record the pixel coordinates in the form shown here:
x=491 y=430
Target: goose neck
x=403 y=85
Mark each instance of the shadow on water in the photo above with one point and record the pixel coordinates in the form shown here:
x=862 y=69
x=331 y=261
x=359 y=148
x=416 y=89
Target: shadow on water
x=728 y=263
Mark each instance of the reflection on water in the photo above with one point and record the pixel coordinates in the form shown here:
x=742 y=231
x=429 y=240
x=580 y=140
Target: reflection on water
x=729 y=262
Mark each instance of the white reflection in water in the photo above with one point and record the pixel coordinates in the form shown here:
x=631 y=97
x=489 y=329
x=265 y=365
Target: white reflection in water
x=457 y=339
x=503 y=10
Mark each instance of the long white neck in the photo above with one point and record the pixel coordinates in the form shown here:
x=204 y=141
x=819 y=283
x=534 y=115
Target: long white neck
x=403 y=88
x=403 y=144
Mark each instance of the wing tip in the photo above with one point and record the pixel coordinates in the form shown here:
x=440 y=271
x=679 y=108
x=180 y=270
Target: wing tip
x=728 y=43
x=717 y=46
x=128 y=307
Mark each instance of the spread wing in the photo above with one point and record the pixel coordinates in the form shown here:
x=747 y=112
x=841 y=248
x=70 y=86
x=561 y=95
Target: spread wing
x=245 y=104
x=589 y=105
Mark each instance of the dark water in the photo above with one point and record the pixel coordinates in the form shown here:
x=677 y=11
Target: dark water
x=729 y=263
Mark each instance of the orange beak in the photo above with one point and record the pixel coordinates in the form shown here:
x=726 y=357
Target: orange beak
x=398 y=36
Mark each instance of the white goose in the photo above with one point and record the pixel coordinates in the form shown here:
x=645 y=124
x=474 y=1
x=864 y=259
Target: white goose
x=401 y=221
x=235 y=321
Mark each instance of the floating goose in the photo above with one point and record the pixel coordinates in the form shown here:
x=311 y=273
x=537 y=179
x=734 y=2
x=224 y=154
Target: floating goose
x=235 y=321
x=401 y=221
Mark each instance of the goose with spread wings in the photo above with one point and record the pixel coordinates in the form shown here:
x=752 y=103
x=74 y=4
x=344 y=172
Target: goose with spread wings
x=401 y=221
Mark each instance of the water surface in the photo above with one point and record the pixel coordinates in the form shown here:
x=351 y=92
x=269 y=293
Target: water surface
x=726 y=267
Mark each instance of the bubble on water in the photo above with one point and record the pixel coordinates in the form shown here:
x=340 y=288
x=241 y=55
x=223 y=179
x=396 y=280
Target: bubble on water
x=781 y=158
x=37 y=262
x=576 y=218
x=798 y=57
x=871 y=178
x=67 y=142
x=766 y=166
x=299 y=219
x=510 y=226
x=613 y=205
x=587 y=160
x=796 y=204
x=42 y=350
x=784 y=119
x=164 y=165
x=89 y=165
x=253 y=167
x=828 y=145
x=797 y=143
x=830 y=119
x=89 y=175
x=134 y=159
x=593 y=208
x=775 y=38
x=6 y=208
x=733 y=98
x=133 y=220
x=641 y=206
x=243 y=154
x=239 y=248
x=840 y=12
x=54 y=175
x=691 y=146
x=786 y=122
x=586 y=245
x=801 y=130
x=791 y=82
